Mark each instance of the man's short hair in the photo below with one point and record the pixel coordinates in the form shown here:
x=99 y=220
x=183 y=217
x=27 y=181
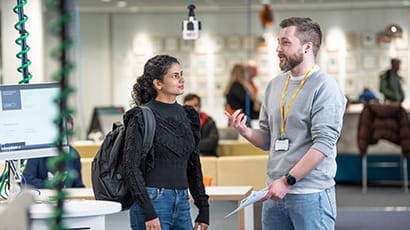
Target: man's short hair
x=306 y=30
x=395 y=60
x=191 y=96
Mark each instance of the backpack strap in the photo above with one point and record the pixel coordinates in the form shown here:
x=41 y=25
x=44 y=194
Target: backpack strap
x=149 y=128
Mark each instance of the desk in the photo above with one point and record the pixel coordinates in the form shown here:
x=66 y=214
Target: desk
x=223 y=200
x=229 y=193
x=79 y=214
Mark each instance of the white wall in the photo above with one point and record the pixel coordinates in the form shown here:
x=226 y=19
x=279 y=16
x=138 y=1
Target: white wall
x=127 y=65
x=107 y=63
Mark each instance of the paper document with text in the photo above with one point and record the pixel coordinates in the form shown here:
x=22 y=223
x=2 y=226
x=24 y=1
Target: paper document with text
x=252 y=198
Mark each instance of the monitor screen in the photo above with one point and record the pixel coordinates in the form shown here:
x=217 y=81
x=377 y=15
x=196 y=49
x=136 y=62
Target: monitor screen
x=27 y=114
x=104 y=117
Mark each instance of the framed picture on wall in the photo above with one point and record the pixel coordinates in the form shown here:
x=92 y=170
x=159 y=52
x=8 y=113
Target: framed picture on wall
x=171 y=44
x=369 y=61
x=371 y=81
x=264 y=64
x=384 y=62
x=201 y=65
x=185 y=64
x=351 y=85
x=332 y=64
x=218 y=43
x=157 y=44
x=368 y=39
x=233 y=42
x=219 y=65
x=351 y=62
x=351 y=40
x=186 y=45
x=249 y=42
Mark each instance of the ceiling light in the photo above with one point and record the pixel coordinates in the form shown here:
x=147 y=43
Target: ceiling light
x=394 y=31
x=106 y=0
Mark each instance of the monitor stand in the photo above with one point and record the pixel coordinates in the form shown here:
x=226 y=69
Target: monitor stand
x=15 y=178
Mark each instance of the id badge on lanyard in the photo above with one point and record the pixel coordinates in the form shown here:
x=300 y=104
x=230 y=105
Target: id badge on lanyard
x=282 y=144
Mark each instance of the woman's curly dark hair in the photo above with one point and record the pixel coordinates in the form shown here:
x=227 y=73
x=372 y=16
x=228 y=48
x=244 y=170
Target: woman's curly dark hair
x=156 y=67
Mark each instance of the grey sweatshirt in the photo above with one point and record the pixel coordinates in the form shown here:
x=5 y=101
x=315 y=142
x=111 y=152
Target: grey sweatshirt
x=314 y=121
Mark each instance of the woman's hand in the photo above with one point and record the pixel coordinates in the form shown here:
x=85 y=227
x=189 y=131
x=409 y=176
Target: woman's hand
x=153 y=224
x=200 y=226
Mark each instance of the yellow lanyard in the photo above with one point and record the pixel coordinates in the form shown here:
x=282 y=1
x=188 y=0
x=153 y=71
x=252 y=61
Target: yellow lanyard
x=284 y=116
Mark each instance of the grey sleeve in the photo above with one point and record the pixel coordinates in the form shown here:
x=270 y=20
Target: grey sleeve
x=327 y=117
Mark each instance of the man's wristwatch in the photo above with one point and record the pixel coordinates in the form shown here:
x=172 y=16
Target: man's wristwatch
x=290 y=180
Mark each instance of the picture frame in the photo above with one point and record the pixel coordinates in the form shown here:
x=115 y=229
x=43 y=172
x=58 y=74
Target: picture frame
x=186 y=45
x=369 y=39
x=351 y=40
x=219 y=65
x=384 y=62
x=369 y=61
x=218 y=43
x=332 y=64
x=234 y=42
x=351 y=85
x=265 y=65
x=157 y=44
x=351 y=62
x=249 y=43
x=201 y=65
x=171 y=44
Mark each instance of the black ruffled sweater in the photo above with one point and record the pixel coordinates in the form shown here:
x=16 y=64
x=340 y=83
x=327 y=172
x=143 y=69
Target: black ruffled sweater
x=174 y=161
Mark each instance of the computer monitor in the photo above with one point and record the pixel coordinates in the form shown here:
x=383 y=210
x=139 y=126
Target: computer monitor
x=27 y=114
x=103 y=118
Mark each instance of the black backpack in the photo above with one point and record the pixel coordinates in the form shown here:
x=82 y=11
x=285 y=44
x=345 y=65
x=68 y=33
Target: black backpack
x=107 y=169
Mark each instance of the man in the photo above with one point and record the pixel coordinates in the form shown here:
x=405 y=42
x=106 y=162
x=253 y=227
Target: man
x=36 y=171
x=300 y=122
x=209 y=133
x=390 y=83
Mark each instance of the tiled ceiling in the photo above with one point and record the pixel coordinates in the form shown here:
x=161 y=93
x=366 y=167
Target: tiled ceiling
x=215 y=5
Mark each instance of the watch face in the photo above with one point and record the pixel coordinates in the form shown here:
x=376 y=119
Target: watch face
x=291 y=180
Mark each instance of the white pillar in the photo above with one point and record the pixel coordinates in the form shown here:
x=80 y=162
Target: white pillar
x=34 y=25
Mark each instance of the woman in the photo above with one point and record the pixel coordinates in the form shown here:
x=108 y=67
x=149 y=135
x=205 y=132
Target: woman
x=237 y=88
x=159 y=182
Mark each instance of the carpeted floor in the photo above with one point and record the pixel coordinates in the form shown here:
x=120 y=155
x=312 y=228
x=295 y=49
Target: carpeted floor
x=382 y=207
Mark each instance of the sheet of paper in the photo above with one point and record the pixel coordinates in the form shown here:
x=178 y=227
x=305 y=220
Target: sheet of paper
x=252 y=198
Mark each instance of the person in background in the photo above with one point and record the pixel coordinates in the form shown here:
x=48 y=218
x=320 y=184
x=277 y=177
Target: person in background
x=238 y=87
x=159 y=181
x=300 y=123
x=36 y=171
x=209 y=132
x=367 y=96
x=391 y=83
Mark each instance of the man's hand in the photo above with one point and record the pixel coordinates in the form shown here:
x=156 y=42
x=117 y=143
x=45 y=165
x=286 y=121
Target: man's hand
x=277 y=190
x=153 y=224
x=200 y=226
x=237 y=120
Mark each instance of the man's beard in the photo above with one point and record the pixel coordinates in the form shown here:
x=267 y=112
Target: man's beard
x=292 y=61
